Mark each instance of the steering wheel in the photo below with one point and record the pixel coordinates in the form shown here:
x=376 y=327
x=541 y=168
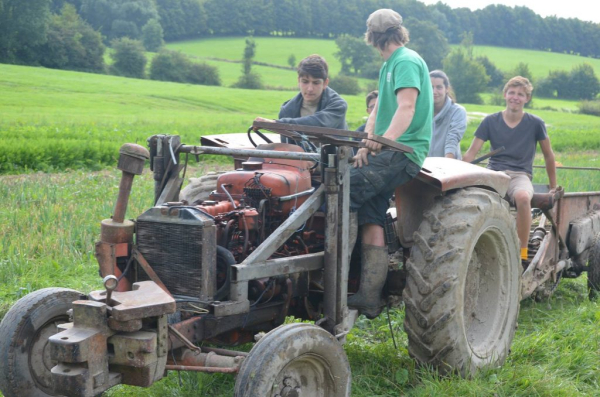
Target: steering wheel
x=260 y=134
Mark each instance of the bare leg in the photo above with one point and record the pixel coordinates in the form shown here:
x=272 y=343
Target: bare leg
x=523 y=203
x=372 y=234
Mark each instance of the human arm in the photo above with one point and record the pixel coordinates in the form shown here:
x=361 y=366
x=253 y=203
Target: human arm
x=473 y=149
x=550 y=162
x=456 y=130
x=360 y=158
x=407 y=99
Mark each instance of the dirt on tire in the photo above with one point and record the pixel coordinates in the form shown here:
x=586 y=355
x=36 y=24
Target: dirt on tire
x=462 y=293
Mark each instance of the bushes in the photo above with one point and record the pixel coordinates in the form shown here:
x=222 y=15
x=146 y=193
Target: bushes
x=175 y=66
x=344 y=85
x=589 y=107
x=129 y=59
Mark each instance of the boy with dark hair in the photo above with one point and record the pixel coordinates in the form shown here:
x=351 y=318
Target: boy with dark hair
x=316 y=104
x=519 y=132
x=403 y=113
x=371 y=102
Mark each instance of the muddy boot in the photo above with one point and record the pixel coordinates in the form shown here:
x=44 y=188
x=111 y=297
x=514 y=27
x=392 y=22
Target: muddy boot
x=372 y=278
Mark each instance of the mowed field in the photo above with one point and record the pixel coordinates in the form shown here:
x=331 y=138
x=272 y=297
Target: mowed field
x=70 y=125
x=276 y=51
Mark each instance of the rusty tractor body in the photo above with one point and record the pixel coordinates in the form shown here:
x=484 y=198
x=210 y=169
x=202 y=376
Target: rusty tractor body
x=271 y=241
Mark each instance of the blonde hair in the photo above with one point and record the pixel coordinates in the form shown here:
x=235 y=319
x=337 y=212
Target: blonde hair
x=519 y=81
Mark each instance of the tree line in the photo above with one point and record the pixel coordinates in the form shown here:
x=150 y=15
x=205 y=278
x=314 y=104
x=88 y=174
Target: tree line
x=24 y=24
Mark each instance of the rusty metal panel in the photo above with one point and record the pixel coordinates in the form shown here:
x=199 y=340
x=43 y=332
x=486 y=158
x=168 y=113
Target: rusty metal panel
x=145 y=300
x=278 y=266
x=412 y=199
x=574 y=206
x=448 y=174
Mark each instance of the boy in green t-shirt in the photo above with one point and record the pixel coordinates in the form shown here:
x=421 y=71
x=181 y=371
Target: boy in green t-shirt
x=403 y=113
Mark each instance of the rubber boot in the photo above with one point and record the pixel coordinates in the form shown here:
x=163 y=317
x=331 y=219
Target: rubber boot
x=372 y=278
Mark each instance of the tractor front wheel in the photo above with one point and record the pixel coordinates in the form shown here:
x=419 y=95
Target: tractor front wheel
x=295 y=360
x=25 y=361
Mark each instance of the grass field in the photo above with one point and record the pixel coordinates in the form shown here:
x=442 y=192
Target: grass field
x=74 y=123
x=52 y=120
x=276 y=51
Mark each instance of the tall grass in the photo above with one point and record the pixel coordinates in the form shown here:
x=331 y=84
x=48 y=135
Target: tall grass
x=54 y=120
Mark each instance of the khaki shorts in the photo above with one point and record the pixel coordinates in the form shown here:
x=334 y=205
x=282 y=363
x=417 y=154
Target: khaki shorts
x=518 y=181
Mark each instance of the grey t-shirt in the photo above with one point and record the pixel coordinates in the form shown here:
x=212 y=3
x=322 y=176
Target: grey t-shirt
x=519 y=142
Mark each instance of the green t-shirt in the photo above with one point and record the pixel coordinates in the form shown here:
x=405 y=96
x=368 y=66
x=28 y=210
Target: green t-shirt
x=406 y=69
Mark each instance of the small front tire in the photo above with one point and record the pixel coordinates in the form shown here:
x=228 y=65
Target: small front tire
x=295 y=359
x=25 y=361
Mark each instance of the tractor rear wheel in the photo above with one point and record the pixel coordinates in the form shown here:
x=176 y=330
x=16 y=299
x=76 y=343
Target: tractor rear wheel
x=25 y=361
x=295 y=360
x=463 y=285
x=594 y=268
x=199 y=189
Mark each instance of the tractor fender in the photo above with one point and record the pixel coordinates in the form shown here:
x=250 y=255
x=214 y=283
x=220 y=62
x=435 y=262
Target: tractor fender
x=439 y=175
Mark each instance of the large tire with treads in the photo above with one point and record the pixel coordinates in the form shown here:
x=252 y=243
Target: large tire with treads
x=463 y=285
x=199 y=189
x=25 y=360
x=594 y=268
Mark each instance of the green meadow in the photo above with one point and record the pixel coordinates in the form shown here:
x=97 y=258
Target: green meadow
x=59 y=138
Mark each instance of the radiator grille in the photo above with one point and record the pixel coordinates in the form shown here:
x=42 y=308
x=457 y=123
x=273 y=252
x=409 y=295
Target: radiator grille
x=174 y=251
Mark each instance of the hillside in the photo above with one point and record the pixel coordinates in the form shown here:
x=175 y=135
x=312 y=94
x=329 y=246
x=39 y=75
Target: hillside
x=276 y=51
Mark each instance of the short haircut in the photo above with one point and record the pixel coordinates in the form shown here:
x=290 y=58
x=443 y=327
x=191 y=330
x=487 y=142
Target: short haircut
x=372 y=95
x=519 y=81
x=398 y=35
x=314 y=66
x=438 y=74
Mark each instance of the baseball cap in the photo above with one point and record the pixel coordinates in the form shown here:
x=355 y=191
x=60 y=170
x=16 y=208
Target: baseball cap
x=382 y=20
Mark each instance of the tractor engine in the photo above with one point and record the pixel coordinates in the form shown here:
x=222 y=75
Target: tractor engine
x=190 y=245
x=249 y=204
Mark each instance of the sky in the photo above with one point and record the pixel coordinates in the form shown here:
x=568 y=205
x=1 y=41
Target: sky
x=586 y=10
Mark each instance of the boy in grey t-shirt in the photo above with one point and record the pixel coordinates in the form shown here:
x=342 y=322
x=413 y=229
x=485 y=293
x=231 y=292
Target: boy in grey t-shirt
x=519 y=133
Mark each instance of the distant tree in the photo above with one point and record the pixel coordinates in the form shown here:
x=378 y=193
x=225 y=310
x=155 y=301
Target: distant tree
x=580 y=83
x=468 y=77
x=57 y=5
x=292 y=61
x=72 y=44
x=248 y=79
x=522 y=69
x=496 y=76
x=152 y=36
x=353 y=53
x=344 y=85
x=583 y=83
x=183 y=18
x=119 y=18
x=428 y=41
x=23 y=26
x=129 y=59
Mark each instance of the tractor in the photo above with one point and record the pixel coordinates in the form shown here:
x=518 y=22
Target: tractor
x=268 y=240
